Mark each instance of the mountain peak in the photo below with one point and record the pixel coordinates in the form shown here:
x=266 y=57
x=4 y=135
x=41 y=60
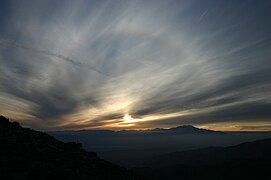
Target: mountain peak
x=189 y=129
x=184 y=127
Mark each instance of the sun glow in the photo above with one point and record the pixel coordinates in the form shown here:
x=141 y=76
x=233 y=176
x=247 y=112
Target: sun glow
x=129 y=119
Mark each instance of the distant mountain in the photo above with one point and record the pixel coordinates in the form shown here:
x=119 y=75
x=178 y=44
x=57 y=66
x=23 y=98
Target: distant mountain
x=185 y=129
x=131 y=148
x=190 y=129
x=251 y=160
x=29 y=154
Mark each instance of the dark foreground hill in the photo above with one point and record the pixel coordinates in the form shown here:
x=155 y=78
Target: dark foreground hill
x=251 y=160
x=29 y=154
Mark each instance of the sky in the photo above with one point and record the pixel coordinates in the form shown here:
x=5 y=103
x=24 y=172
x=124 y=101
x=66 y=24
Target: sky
x=136 y=64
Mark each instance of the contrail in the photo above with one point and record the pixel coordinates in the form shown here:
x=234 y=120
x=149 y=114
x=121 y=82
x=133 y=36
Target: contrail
x=47 y=53
x=202 y=15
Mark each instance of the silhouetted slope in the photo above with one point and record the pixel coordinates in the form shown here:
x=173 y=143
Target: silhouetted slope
x=29 y=154
x=251 y=160
x=212 y=155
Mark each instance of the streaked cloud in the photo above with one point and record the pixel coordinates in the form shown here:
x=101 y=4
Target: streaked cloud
x=87 y=64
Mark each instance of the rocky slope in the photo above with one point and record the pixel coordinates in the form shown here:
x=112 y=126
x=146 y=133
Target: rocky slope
x=29 y=154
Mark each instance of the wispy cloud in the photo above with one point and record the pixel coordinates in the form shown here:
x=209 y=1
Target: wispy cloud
x=85 y=64
x=59 y=56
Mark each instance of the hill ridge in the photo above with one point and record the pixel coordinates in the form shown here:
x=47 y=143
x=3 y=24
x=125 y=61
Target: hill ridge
x=30 y=154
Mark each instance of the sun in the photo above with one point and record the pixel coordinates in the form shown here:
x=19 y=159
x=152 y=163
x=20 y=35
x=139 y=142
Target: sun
x=127 y=118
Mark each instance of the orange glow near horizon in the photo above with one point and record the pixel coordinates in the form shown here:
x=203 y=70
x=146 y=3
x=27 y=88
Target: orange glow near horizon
x=84 y=120
x=238 y=126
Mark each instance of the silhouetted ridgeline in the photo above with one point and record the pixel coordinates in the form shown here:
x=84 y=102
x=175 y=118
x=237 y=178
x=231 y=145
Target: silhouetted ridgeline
x=29 y=154
x=251 y=160
x=133 y=148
